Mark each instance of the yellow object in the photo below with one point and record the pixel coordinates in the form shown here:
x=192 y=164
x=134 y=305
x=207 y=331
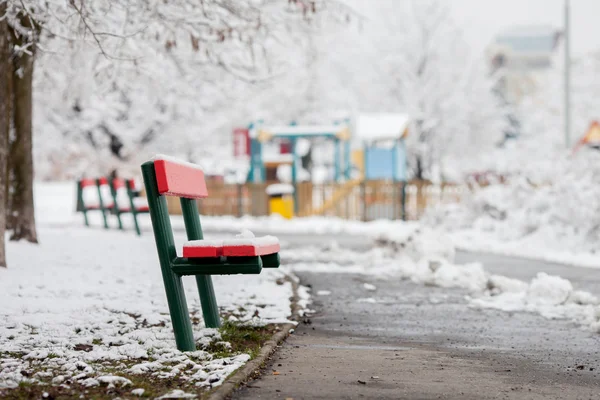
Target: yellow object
x=591 y=138
x=593 y=133
x=282 y=205
x=358 y=160
x=344 y=134
x=264 y=136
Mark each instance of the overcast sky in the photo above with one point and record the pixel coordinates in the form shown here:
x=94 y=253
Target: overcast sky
x=483 y=19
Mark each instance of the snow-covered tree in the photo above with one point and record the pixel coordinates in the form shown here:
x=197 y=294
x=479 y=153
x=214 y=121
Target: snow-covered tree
x=115 y=77
x=168 y=71
x=543 y=111
x=430 y=73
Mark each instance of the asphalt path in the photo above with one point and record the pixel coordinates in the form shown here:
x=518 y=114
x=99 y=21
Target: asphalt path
x=418 y=342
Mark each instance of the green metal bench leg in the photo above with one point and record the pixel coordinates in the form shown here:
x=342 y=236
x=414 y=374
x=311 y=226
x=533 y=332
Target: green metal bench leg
x=101 y=202
x=119 y=218
x=80 y=204
x=134 y=213
x=208 y=300
x=113 y=191
x=165 y=244
x=137 y=225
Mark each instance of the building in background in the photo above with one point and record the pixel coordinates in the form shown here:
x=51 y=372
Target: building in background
x=522 y=56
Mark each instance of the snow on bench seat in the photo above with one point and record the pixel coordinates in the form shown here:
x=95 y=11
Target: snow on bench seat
x=236 y=247
x=203 y=249
x=250 y=247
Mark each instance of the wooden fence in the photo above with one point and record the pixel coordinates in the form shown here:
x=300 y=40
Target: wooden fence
x=365 y=200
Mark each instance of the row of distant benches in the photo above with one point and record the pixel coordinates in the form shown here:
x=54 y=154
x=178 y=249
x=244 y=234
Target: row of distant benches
x=110 y=196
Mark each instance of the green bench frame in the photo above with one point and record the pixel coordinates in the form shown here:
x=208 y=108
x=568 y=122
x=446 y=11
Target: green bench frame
x=129 y=184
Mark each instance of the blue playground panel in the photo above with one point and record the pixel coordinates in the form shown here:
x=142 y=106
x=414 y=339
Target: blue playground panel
x=379 y=163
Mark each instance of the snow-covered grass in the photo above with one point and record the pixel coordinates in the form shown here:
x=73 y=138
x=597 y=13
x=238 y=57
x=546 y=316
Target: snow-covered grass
x=86 y=310
x=84 y=298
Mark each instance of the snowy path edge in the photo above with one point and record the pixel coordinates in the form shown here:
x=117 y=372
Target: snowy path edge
x=249 y=371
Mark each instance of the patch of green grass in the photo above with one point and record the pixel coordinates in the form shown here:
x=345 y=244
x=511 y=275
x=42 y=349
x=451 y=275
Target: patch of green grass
x=97 y=342
x=242 y=338
x=11 y=354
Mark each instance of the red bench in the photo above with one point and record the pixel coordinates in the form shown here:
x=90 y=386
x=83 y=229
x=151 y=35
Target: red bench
x=165 y=176
x=110 y=196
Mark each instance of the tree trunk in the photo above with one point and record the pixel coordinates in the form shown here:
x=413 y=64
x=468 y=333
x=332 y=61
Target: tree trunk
x=21 y=151
x=419 y=169
x=5 y=100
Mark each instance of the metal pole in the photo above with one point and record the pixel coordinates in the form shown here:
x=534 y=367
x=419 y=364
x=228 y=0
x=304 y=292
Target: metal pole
x=294 y=174
x=567 y=35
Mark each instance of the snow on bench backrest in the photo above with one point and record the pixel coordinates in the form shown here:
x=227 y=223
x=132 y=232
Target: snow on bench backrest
x=179 y=178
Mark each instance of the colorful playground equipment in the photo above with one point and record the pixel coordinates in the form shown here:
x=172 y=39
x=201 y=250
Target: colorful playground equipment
x=261 y=134
x=244 y=254
x=383 y=138
x=384 y=156
x=379 y=154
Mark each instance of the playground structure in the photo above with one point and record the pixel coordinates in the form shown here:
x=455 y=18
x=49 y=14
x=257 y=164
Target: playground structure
x=261 y=135
x=290 y=136
x=379 y=154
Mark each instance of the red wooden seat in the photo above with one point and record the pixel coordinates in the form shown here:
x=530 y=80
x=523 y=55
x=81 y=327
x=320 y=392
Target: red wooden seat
x=237 y=247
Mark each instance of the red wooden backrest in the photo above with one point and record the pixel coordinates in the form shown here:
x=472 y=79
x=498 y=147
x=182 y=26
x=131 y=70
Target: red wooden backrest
x=131 y=184
x=87 y=182
x=118 y=183
x=180 y=179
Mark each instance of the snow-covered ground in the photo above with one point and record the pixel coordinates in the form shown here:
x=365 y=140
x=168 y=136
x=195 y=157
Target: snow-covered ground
x=423 y=258
x=87 y=306
x=551 y=215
